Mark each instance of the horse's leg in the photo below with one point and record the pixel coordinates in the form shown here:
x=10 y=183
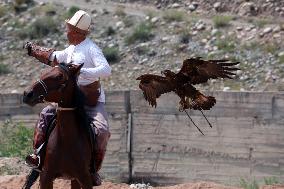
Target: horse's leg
x=85 y=180
x=75 y=184
x=46 y=182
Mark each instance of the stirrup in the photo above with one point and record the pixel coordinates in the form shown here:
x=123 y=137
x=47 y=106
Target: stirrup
x=35 y=167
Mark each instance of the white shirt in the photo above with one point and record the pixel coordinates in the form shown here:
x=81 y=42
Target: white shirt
x=95 y=64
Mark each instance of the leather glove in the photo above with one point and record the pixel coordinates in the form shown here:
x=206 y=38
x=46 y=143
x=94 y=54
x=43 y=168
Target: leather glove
x=28 y=46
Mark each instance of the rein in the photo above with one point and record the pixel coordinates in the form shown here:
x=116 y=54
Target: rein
x=44 y=86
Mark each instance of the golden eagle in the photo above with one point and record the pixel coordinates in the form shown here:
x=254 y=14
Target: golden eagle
x=193 y=71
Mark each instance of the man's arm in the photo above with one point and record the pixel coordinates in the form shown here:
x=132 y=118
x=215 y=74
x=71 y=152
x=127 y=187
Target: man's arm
x=40 y=53
x=45 y=55
x=101 y=67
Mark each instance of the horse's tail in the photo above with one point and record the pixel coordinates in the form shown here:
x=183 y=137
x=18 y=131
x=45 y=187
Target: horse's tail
x=31 y=178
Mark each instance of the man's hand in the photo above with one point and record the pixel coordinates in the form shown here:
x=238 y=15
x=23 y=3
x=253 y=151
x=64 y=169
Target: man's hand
x=28 y=46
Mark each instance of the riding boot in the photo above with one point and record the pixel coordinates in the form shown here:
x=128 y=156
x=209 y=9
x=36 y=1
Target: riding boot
x=46 y=117
x=101 y=140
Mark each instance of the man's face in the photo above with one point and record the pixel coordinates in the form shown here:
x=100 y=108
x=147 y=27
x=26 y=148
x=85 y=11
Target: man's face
x=71 y=35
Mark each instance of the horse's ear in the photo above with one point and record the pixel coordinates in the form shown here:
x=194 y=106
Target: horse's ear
x=55 y=61
x=77 y=69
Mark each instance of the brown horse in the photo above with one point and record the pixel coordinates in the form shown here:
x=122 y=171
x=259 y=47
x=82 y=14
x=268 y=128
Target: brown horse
x=68 y=151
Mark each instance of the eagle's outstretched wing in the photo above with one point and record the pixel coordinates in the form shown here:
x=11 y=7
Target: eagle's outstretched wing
x=153 y=86
x=198 y=71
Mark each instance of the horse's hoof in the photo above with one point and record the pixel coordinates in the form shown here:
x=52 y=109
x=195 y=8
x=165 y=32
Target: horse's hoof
x=96 y=179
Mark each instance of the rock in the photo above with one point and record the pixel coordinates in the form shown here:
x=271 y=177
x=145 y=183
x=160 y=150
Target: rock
x=226 y=88
x=193 y=6
x=154 y=20
x=204 y=41
x=217 y=6
x=280 y=54
x=9 y=29
x=200 y=26
x=165 y=39
x=214 y=32
x=239 y=28
x=175 y=5
x=54 y=42
x=277 y=29
x=267 y=30
x=136 y=68
x=14 y=91
x=119 y=24
x=248 y=9
x=24 y=83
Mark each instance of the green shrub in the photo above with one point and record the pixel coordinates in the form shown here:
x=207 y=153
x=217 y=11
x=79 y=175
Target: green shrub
x=3 y=10
x=270 y=181
x=270 y=48
x=173 y=15
x=220 y=21
x=227 y=44
x=141 y=33
x=184 y=37
x=4 y=69
x=71 y=11
x=128 y=21
x=119 y=11
x=142 y=50
x=15 y=140
x=109 y=31
x=249 y=185
x=40 y=28
x=281 y=59
x=111 y=54
x=20 y=2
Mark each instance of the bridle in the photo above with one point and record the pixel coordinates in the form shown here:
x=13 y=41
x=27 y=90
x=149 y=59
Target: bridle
x=41 y=98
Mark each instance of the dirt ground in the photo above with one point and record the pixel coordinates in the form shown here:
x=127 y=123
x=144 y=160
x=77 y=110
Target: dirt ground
x=16 y=181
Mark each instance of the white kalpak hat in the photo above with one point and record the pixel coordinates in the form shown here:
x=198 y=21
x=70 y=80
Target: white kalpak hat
x=81 y=21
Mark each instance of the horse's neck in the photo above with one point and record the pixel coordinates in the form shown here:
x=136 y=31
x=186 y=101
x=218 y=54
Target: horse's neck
x=67 y=123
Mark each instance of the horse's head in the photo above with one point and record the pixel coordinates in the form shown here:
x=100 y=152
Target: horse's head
x=55 y=85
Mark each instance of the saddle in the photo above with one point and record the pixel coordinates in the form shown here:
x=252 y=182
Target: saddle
x=92 y=93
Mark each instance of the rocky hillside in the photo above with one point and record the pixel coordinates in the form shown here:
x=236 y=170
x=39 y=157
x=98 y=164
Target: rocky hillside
x=149 y=36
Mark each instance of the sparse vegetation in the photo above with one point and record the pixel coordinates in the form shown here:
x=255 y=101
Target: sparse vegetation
x=15 y=140
x=281 y=59
x=143 y=32
x=3 y=10
x=40 y=28
x=270 y=48
x=227 y=44
x=220 y=21
x=4 y=69
x=119 y=11
x=8 y=170
x=71 y=11
x=128 y=21
x=142 y=50
x=174 y=15
x=249 y=185
x=253 y=184
x=111 y=54
x=270 y=181
x=109 y=31
x=184 y=36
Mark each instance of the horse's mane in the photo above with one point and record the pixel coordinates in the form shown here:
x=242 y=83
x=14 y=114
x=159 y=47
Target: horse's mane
x=80 y=111
x=79 y=103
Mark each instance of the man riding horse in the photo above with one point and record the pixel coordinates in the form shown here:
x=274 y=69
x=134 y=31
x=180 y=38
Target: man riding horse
x=81 y=50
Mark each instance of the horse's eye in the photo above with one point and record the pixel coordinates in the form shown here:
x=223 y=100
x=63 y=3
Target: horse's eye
x=59 y=77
